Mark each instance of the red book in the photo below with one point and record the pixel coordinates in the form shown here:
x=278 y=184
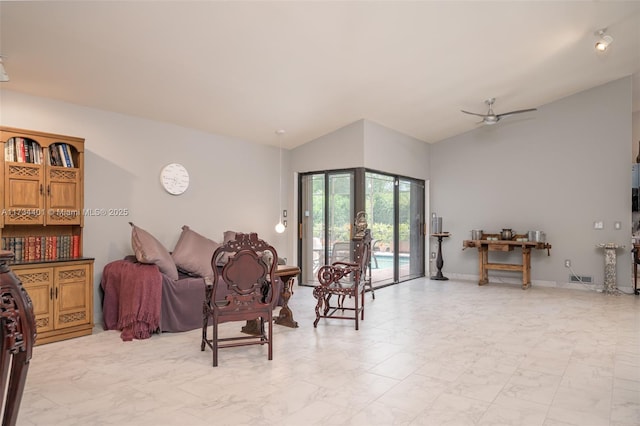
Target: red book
x=54 y=248
x=76 y=245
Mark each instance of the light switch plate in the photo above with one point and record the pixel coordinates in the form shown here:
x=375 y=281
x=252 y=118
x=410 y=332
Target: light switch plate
x=617 y=225
x=598 y=224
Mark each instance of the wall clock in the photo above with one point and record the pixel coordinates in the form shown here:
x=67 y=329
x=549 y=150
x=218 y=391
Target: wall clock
x=174 y=178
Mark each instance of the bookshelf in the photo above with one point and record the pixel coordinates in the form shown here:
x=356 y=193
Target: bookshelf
x=42 y=201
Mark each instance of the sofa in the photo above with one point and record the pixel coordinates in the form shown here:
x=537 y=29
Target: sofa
x=155 y=290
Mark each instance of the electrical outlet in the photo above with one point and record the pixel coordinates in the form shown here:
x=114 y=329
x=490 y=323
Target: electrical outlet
x=567 y=263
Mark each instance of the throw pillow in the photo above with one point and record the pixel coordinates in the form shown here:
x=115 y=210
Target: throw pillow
x=193 y=253
x=150 y=250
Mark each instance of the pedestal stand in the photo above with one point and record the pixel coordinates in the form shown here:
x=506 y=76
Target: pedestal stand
x=439 y=261
x=610 y=261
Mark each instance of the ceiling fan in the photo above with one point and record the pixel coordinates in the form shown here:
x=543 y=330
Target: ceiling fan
x=492 y=118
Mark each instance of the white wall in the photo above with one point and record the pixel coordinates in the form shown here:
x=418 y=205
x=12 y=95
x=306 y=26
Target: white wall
x=340 y=149
x=393 y=152
x=557 y=170
x=233 y=183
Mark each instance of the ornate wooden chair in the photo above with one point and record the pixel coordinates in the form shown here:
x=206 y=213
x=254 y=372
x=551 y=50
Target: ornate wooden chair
x=342 y=279
x=246 y=266
x=17 y=337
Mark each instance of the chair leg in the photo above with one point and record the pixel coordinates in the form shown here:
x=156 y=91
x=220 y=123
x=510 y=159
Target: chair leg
x=19 y=367
x=205 y=321
x=357 y=316
x=214 y=342
x=318 y=306
x=270 y=341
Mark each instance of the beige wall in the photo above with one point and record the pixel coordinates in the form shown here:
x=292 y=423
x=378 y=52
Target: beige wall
x=557 y=170
x=233 y=182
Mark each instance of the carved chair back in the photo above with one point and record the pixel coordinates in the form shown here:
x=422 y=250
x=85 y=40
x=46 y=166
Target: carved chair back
x=17 y=337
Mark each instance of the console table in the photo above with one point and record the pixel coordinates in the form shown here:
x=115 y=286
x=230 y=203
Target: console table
x=287 y=274
x=485 y=246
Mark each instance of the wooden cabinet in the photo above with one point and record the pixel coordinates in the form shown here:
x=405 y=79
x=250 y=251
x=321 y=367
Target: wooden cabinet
x=42 y=201
x=41 y=193
x=62 y=297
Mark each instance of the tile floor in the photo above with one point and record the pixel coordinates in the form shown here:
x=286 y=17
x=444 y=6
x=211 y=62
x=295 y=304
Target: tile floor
x=428 y=353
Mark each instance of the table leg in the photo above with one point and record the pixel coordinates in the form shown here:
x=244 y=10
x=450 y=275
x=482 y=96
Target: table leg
x=483 y=255
x=285 y=316
x=526 y=268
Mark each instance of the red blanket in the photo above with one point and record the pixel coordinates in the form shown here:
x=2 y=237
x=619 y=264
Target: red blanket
x=132 y=297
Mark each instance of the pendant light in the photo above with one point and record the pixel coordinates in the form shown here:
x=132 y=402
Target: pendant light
x=4 y=77
x=280 y=226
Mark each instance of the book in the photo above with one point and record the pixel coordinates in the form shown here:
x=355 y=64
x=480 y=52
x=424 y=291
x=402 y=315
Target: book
x=63 y=161
x=55 y=156
x=76 y=245
x=67 y=155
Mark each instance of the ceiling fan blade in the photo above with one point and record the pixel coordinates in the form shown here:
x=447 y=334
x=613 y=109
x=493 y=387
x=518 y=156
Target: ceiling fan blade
x=516 y=112
x=472 y=113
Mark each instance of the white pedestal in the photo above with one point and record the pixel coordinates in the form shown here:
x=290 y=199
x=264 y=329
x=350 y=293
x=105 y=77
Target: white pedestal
x=610 y=262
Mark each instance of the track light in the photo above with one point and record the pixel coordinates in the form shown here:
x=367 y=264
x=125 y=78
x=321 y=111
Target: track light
x=605 y=40
x=3 y=74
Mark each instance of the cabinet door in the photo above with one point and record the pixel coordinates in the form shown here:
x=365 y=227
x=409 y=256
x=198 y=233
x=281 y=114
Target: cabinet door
x=39 y=284
x=24 y=201
x=72 y=295
x=63 y=196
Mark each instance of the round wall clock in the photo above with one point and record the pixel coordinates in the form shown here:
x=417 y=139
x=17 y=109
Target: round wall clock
x=174 y=178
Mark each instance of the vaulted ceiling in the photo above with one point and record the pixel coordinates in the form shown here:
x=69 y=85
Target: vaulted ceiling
x=244 y=69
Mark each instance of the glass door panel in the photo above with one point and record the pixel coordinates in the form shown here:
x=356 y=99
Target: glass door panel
x=312 y=200
x=379 y=205
x=326 y=201
x=410 y=229
x=340 y=216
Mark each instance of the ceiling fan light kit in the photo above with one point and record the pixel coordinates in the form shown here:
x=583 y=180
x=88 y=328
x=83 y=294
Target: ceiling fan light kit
x=492 y=118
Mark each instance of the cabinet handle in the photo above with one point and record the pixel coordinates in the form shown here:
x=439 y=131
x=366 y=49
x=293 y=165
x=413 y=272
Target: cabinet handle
x=56 y=292
x=48 y=190
x=51 y=294
x=40 y=189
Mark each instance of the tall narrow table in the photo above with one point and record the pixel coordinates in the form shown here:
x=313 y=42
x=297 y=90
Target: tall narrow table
x=485 y=246
x=439 y=260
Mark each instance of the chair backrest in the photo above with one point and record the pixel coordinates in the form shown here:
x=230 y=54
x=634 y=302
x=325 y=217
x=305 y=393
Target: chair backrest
x=362 y=251
x=17 y=337
x=247 y=265
x=341 y=251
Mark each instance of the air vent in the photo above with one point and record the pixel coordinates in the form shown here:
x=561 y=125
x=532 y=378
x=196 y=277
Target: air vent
x=578 y=279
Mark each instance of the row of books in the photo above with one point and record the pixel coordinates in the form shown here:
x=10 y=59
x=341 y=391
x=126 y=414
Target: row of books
x=23 y=150
x=41 y=248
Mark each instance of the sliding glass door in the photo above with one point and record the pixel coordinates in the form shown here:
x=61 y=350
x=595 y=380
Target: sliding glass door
x=395 y=211
x=327 y=212
x=395 y=214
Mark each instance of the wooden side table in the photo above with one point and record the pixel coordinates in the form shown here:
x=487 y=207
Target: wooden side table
x=287 y=274
x=439 y=261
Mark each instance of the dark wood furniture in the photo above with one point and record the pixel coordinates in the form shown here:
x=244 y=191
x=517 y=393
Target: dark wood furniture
x=439 y=260
x=636 y=260
x=485 y=246
x=17 y=337
x=342 y=279
x=250 y=281
x=287 y=274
